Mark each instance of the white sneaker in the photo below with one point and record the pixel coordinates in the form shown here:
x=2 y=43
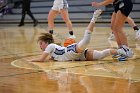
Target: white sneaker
x=96 y=14
x=111 y=37
x=125 y=51
x=72 y=36
x=138 y=34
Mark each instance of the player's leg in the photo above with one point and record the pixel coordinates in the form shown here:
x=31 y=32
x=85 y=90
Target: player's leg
x=131 y=22
x=22 y=18
x=86 y=39
x=65 y=16
x=32 y=17
x=135 y=27
x=117 y=28
x=119 y=35
x=51 y=16
x=98 y=55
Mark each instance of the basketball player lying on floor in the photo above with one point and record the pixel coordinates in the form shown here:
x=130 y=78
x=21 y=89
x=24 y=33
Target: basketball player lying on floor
x=76 y=51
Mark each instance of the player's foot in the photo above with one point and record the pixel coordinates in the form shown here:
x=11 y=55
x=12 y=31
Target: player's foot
x=51 y=32
x=111 y=37
x=21 y=24
x=138 y=34
x=116 y=56
x=72 y=36
x=123 y=58
x=125 y=52
x=96 y=14
x=35 y=23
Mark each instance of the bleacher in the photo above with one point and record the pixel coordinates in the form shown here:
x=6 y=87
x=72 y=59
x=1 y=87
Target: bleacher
x=79 y=11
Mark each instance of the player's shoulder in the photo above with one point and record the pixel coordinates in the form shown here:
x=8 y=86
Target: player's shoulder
x=53 y=45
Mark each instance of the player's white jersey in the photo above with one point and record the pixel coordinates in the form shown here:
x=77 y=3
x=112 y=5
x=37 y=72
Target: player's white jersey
x=68 y=53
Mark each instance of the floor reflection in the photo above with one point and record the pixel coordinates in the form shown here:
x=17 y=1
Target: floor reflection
x=108 y=75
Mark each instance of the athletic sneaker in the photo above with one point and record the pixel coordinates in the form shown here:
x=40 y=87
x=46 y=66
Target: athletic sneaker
x=138 y=34
x=124 y=52
x=111 y=37
x=116 y=56
x=120 y=57
x=123 y=58
x=96 y=14
x=72 y=36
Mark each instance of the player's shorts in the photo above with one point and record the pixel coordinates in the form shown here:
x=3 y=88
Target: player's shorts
x=60 y=4
x=72 y=53
x=125 y=6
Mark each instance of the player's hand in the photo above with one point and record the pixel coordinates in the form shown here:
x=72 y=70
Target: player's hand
x=95 y=4
x=31 y=60
x=34 y=60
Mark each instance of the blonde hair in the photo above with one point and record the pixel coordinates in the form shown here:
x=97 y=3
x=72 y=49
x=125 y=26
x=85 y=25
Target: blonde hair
x=46 y=37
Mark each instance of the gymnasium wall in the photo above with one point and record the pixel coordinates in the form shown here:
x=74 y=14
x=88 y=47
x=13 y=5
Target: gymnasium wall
x=79 y=11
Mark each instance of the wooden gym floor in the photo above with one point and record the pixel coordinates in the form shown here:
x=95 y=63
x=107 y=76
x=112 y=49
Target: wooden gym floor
x=108 y=75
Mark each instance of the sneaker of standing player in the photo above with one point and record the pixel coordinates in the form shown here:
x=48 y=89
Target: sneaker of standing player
x=72 y=36
x=35 y=23
x=138 y=34
x=124 y=52
x=122 y=55
x=52 y=33
x=111 y=37
x=96 y=14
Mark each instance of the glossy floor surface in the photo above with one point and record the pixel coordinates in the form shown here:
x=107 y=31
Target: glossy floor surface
x=17 y=44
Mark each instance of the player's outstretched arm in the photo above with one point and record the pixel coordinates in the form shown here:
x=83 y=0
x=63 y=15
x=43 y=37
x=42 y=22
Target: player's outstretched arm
x=41 y=59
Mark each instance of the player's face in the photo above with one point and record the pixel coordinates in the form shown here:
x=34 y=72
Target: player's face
x=42 y=45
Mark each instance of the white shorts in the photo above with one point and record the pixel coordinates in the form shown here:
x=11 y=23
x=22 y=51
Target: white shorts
x=72 y=54
x=60 y=4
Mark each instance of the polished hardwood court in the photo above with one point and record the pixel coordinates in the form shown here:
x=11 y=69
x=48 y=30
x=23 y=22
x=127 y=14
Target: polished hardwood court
x=17 y=75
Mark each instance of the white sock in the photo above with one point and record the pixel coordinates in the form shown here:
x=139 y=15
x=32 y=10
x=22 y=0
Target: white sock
x=96 y=15
x=93 y=20
x=97 y=55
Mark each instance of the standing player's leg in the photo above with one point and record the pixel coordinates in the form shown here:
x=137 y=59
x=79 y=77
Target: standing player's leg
x=119 y=35
x=32 y=17
x=22 y=18
x=65 y=16
x=112 y=37
x=135 y=27
x=131 y=23
x=51 y=16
